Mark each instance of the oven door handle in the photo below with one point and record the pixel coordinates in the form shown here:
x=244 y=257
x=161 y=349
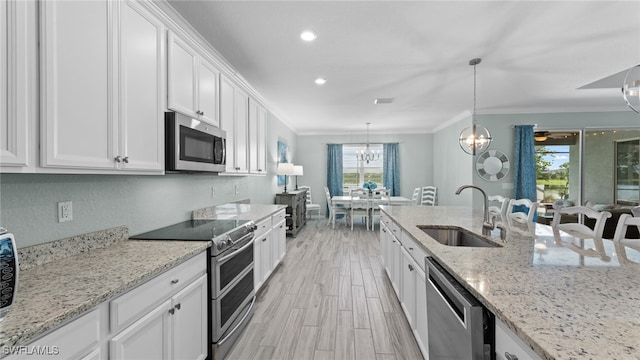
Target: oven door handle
x=227 y=257
x=222 y=341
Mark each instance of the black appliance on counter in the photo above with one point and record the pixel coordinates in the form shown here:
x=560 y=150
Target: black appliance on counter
x=230 y=273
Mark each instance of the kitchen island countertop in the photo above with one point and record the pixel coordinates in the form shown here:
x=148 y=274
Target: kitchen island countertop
x=563 y=301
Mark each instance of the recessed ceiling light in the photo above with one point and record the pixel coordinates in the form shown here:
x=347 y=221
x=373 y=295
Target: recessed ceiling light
x=383 y=100
x=321 y=81
x=308 y=35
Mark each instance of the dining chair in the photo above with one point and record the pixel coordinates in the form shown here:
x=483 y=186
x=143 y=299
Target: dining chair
x=415 y=199
x=429 y=194
x=518 y=215
x=311 y=207
x=360 y=205
x=378 y=197
x=500 y=205
x=621 y=242
x=334 y=210
x=578 y=229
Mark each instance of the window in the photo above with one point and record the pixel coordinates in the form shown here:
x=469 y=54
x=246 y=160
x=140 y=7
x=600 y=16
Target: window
x=557 y=161
x=356 y=172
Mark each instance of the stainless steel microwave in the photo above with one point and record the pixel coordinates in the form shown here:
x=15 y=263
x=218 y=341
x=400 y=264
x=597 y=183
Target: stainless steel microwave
x=192 y=145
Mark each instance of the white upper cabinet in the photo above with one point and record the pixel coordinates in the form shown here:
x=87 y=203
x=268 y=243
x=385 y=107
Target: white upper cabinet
x=17 y=85
x=101 y=87
x=193 y=82
x=257 y=138
x=77 y=84
x=142 y=44
x=234 y=107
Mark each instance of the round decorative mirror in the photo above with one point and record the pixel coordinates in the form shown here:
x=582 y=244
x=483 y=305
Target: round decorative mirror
x=492 y=165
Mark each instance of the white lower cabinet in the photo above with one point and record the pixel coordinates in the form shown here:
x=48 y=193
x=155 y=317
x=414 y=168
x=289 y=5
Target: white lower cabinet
x=509 y=346
x=164 y=318
x=176 y=329
x=269 y=247
x=401 y=258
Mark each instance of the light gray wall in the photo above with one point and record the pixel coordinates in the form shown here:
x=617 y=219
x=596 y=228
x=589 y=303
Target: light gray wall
x=416 y=160
x=452 y=167
x=28 y=202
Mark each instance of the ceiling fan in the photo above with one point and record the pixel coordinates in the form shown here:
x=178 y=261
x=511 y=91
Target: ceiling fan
x=566 y=137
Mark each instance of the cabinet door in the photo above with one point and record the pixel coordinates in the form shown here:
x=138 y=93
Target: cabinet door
x=182 y=82
x=257 y=138
x=266 y=262
x=280 y=237
x=77 y=84
x=17 y=66
x=408 y=287
x=142 y=83
x=396 y=263
x=227 y=120
x=420 y=323
x=241 y=130
x=208 y=77
x=147 y=338
x=190 y=321
x=257 y=263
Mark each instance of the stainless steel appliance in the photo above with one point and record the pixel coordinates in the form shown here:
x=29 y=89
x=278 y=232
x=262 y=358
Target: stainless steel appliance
x=460 y=328
x=192 y=145
x=8 y=271
x=230 y=274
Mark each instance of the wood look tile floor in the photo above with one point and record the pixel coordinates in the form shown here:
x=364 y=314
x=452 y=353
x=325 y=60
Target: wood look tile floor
x=329 y=299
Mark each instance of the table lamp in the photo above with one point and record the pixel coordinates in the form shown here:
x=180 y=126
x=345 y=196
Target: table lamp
x=297 y=171
x=285 y=169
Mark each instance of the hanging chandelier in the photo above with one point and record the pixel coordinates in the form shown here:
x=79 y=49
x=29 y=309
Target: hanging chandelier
x=476 y=138
x=368 y=154
x=631 y=88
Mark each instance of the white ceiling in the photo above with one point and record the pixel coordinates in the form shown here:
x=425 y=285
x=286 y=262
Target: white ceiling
x=535 y=56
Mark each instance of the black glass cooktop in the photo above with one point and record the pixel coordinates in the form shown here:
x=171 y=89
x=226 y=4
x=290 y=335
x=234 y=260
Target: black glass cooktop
x=196 y=230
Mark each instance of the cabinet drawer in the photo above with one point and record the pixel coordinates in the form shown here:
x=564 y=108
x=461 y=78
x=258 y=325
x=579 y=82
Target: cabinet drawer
x=263 y=226
x=127 y=308
x=417 y=253
x=278 y=217
x=71 y=341
x=508 y=342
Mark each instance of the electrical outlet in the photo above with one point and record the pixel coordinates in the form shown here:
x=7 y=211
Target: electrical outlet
x=65 y=211
x=213 y=192
x=237 y=189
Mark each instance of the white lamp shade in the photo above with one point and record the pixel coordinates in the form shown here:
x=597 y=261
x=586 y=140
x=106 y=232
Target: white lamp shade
x=285 y=169
x=298 y=170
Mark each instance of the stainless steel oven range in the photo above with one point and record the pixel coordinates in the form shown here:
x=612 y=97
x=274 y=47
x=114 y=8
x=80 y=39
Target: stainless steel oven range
x=230 y=273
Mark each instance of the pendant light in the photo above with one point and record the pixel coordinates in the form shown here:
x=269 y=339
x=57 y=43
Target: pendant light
x=368 y=155
x=631 y=88
x=476 y=138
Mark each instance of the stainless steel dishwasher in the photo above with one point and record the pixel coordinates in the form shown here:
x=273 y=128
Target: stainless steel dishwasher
x=460 y=328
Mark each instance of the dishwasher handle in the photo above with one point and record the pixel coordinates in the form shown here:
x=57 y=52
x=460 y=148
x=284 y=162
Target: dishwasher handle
x=452 y=293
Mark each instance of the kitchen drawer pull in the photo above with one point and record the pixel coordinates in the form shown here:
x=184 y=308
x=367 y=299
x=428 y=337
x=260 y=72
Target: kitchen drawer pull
x=172 y=311
x=238 y=168
x=410 y=267
x=178 y=306
x=509 y=356
x=411 y=248
x=175 y=281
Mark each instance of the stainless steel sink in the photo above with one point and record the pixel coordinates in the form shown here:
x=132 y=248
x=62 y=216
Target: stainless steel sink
x=456 y=236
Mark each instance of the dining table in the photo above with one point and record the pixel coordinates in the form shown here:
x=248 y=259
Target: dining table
x=346 y=200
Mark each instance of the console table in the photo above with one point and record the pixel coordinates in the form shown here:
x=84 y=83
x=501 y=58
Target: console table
x=296 y=202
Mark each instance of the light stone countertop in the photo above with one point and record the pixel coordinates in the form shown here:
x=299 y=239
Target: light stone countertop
x=255 y=212
x=53 y=293
x=565 y=302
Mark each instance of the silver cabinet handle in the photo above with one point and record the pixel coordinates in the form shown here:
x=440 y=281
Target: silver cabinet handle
x=238 y=168
x=510 y=356
x=126 y=160
x=411 y=248
x=410 y=267
x=172 y=311
x=118 y=159
x=175 y=281
x=178 y=306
